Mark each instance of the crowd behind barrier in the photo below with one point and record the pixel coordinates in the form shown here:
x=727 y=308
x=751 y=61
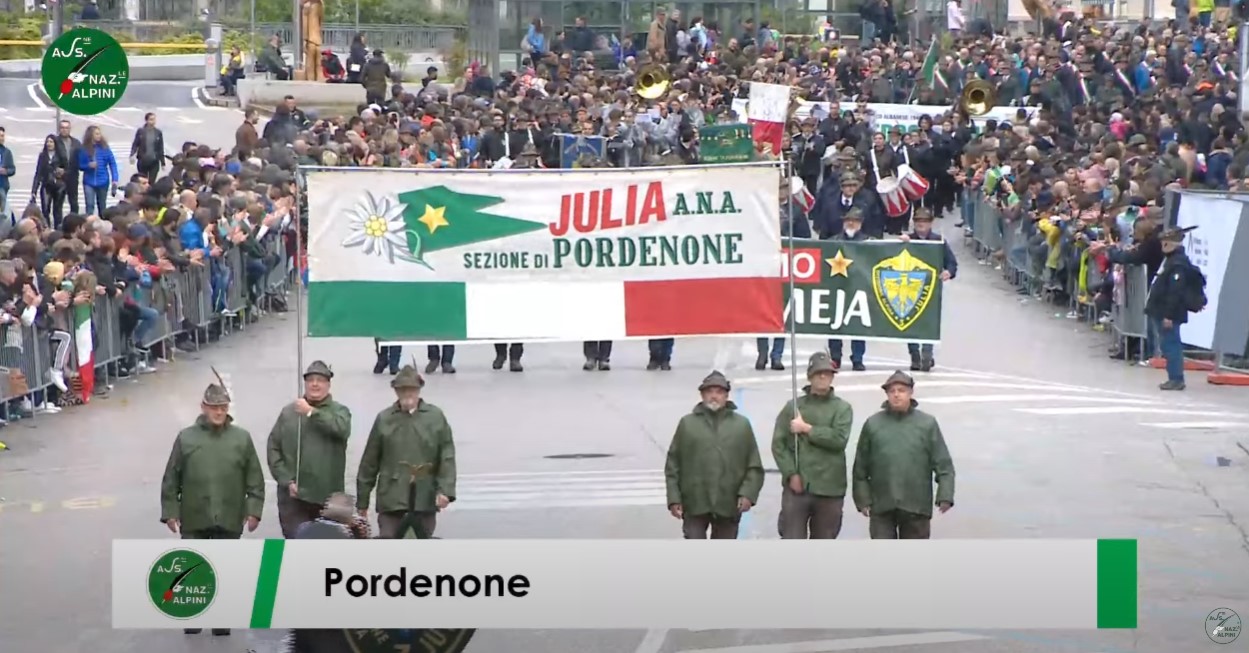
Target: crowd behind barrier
x=1028 y=260
x=186 y=307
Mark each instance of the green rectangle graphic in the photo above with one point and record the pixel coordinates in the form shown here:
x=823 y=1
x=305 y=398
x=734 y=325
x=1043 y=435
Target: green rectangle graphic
x=267 y=583
x=1117 y=590
x=387 y=310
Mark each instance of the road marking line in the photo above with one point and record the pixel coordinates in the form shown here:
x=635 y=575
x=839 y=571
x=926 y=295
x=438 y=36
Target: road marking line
x=1094 y=410
x=195 y=91
x=32 y=89
x=653 y=641
x=127 y=109
x=777 y=378
x=1194 y=425
x=851 y=644
x=1027 y=398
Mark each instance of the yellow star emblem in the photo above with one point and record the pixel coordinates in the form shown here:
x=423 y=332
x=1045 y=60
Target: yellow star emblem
x=839 y=264
x=434 y=218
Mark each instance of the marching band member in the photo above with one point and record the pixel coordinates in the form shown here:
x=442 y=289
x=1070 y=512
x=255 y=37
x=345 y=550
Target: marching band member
x=921 y=355
x=852 y=231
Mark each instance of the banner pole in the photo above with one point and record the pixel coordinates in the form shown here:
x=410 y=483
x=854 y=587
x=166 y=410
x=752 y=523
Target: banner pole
x=299 y=321
x=788 y=167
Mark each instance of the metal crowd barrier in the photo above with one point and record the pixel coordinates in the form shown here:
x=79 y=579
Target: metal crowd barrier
x=1021 y=252
x=186 y=305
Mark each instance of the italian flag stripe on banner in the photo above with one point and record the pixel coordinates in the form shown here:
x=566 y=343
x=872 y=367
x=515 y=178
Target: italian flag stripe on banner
x=540 y=311
x=84 y=350
x=567 y=255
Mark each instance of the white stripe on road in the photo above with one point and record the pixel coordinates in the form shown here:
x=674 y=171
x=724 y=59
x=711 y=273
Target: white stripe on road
x=195 y=91
x=1094 y=410
x=1194 y=425
x=652 y=642
x=33 y=90
x=850 y=644
x=1027 y=398
x=847 y=375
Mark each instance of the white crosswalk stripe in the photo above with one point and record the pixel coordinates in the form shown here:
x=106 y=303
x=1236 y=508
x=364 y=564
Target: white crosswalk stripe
x=547 y=490
x=969 y=389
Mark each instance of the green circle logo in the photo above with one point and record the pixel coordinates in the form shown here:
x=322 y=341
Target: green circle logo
x=182 y=584
x=85 y=72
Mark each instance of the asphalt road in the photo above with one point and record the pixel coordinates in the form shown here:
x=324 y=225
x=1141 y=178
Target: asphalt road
x=28 y=116
x=1050 y=439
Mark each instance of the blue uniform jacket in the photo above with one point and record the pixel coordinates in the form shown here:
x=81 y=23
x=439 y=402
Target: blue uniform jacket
x=949 y=262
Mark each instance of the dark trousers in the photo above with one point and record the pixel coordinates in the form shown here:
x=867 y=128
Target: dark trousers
x=388 y=523
x=514 y=352
x=216 y=533
x=149 y=169
x=597 y=350
x=52 y=203
x=858 y=349
x=898 y=226
x=293 y=512
x=388 y=356
x=443 y=354
x=695 y=527
x=899 y=525
x=809 y=516
x=71 y=192
x=661 y=349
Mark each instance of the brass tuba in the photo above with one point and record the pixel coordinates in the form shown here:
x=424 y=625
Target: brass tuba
x=978 y=98
x=652 y=82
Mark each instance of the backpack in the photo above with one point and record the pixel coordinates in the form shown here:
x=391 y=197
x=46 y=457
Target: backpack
x=1194 y=290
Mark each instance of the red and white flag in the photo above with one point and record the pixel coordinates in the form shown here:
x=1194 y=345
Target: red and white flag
x=767 y=113
x=802 y=197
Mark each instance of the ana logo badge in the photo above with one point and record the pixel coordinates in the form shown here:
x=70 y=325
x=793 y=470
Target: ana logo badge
x=85 y=72
x=1223 y=626
x=903 y=285
x=182 y=584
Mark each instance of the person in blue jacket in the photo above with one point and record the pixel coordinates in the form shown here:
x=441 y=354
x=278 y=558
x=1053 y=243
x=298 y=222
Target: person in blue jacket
x=921 y=355
x=98 y=167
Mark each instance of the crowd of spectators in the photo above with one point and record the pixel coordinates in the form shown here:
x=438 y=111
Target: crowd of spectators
x=1109 y=118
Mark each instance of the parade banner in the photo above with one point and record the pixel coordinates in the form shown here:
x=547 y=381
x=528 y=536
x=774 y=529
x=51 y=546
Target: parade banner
x=539 y=584
x=1217 y=246
x=424 y=256
x=729 y=143
x=866 y=290
x=885 y=117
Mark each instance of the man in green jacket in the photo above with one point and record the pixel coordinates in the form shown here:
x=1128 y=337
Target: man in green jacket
x=308 y=450
x=901 y=451
x=213 y=485
x=410 y=433
x=810 y=452
x=714 y=472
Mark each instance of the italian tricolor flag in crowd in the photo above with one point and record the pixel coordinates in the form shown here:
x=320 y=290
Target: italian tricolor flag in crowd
x=612 y=254
x=84 y=349
x=767 y=113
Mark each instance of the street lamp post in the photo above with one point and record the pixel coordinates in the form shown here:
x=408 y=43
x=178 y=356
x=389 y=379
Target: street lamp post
x=58 y=28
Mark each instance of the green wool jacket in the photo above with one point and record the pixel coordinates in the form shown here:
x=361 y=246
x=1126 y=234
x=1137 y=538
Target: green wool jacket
x=898 y=456
x=821 y=455
x=213 y=478
x=318 y=443
x=399 y=438
x=712 y=461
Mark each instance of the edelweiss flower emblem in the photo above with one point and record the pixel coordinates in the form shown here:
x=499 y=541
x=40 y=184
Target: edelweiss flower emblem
x=378 y=227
